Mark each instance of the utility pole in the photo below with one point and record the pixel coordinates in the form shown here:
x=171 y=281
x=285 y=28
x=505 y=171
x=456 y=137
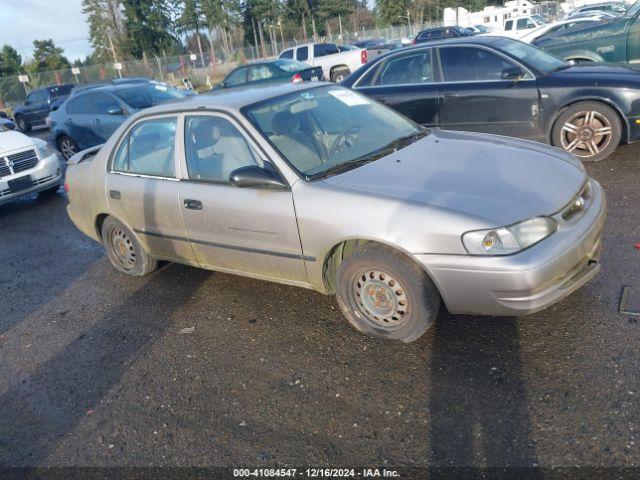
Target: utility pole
x=200 y=48
x=340 y=23
x=115 y=59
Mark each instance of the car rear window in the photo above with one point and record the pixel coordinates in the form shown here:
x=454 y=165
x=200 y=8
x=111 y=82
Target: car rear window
x=60 y=90
x=287 y=54
x=302 y=53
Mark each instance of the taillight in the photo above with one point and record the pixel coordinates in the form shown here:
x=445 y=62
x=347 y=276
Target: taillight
x=66 y=186
x=364 y=56
x=297 y=78
x=414 y=41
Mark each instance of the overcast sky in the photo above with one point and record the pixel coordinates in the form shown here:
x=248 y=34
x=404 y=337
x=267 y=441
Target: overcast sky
x=23 y=21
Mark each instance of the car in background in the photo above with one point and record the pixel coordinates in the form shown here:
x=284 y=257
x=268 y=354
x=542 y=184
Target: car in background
x=271 y=71
x=506 y=87
x=7 y=123
x=615 y=8
x=336 y=65
x=520 y=26
x=479 y=29
x=598 y=15
x=320 y=187
x=440 y=33
x=614 y=40
x=555 y=27
x=37 y=106
x=90 y=116
x=369 y=43
x=27 y=165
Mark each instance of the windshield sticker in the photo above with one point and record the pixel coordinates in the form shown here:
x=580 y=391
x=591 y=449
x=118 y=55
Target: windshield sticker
x=161 y=87
x=349 y=98
x=307 y=96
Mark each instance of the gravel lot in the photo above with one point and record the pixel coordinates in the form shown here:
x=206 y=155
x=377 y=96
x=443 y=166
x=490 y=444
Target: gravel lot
x=94 y=371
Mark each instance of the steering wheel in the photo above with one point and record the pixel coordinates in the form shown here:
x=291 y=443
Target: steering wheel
x=345 y=139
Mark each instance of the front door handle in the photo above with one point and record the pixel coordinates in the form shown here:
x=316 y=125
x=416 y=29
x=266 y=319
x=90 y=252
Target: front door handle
x=193 y=204
x=116 y=195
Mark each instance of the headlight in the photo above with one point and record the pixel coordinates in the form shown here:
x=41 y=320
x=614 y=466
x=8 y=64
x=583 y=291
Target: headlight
x=508 y=240
x=44 y=149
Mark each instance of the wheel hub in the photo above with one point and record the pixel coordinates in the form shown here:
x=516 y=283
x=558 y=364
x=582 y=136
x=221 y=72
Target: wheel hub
x=123 y=248
x=586 y=134
x=380 y=299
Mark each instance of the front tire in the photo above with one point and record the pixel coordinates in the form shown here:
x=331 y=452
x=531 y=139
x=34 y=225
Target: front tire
x=23 y=124
x=589 y=130
x=384 y=294
x=124 y=251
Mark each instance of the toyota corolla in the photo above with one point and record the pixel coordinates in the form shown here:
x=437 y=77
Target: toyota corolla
x=324 y=188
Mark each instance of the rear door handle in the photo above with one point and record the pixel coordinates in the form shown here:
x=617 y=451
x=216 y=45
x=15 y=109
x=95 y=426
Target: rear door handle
x=96 y=121
x=193 y=204
x=115 y=194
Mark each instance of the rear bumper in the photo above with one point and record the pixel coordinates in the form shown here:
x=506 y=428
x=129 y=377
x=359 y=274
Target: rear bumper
x=46 y=174
x=529 y=281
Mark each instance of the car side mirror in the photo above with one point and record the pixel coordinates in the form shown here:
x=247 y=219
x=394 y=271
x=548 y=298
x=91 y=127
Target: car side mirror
x=513 y=73
x=115 y=111
x=254 y=176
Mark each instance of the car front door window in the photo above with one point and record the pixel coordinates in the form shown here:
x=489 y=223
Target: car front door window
x=236 y=78
x=214 y=148
x=407 y=69
x=463 y=64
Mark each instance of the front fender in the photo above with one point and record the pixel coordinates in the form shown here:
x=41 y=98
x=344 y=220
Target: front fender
x=582 y=55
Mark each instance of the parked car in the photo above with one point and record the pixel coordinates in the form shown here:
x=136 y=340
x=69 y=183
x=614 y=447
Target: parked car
x=596 y=14
x=37 y=105
x=336 y=65
x=440 y=33
x=271 y=71
x=89 y=117
x=519 y=26
x=27 y=165
x=371 y=42
x=478 y=29
x=615 y=8
x=612 y=40
x=555 y=27
x=503 y=86
x=7 y=123
x=391 y=217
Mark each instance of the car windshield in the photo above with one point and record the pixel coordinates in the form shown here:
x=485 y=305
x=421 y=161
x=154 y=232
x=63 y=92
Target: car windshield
x=291 y=65
x=147 y=95
x=482 y=28
x=327 y=130
x=538 y=19
x=541 y=61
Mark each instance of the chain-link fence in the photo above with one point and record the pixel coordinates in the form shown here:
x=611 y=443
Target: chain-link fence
x=190 y=70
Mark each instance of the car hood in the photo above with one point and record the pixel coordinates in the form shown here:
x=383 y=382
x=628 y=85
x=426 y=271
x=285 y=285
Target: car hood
x=12 y=140
x=597 y=70
x=498 y=179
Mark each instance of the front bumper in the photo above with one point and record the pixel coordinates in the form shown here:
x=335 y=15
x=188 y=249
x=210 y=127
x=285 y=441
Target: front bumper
x=528 y=281
x=46 y=174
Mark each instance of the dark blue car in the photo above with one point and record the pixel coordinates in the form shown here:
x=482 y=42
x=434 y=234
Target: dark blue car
x=503 y=86
x=35 y=109
x=89 y=116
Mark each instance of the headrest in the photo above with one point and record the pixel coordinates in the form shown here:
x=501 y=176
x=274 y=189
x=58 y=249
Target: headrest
x=284 y=122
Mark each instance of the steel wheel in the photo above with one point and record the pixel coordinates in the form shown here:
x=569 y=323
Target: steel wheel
x=68 y=148
x=586 y=133
x=123 y=248
x=380 y=298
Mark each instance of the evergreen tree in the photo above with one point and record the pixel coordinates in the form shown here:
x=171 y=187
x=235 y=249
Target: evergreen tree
x=46 y=56
x=10 y=61
x=392 y=12
x=149 y=27
x=105 y=28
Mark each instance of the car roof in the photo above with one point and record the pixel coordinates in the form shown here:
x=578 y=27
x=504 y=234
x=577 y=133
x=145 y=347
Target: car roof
x=477 y=40
x=233 y=99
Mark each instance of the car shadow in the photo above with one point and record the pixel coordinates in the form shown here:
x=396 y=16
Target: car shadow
x=478 y=404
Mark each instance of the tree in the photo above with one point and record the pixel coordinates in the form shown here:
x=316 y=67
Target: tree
x=149 y=27
x=392 y=12
x=105 y=28
x=191 y=18
x=46 y=57
x=10 y=61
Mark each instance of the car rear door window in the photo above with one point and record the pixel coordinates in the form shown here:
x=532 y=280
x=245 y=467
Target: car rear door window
x=302 y=53
x=80 y=105
x=214 y=148
x=407 y=69
x=148 y=149
x=467 y=64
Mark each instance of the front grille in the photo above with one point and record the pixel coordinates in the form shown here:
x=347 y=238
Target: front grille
x=18 y=162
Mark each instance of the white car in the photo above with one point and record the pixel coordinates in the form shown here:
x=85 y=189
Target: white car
x=336 y=64
x=554 y=27
x=519 y=26
x=27 y=165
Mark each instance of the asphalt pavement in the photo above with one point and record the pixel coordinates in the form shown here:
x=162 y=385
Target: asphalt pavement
x=95 y=372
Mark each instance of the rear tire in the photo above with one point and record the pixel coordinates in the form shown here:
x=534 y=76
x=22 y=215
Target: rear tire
x=68 y=146
x=589 y=130
x=386 y=295
x=339 y=74
x=23 y=124
x=124 y=251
